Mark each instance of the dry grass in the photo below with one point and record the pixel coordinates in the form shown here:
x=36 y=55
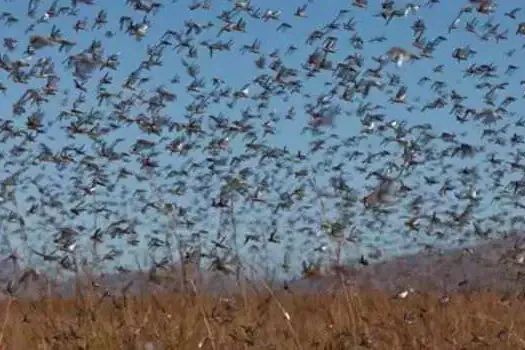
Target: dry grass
x=347 y=319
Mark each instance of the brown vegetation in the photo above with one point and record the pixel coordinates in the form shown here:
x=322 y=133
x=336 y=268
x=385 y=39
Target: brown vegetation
x=349 y=318
x=459 y=299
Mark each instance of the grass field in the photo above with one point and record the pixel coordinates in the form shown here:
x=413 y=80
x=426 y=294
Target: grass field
x=347 y=318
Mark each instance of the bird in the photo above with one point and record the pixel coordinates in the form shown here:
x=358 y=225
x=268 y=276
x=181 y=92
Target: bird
x=242 y=129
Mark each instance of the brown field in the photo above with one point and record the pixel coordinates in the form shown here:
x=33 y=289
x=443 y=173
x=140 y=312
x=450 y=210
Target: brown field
x=348 y=319
x=350 y=308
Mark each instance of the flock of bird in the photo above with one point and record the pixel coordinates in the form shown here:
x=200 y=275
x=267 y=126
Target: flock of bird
x=201 y=140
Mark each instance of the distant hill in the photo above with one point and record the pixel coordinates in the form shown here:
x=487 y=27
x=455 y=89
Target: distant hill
x=495 y=265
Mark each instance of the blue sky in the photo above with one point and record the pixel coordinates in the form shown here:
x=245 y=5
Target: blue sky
x=237 y=69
